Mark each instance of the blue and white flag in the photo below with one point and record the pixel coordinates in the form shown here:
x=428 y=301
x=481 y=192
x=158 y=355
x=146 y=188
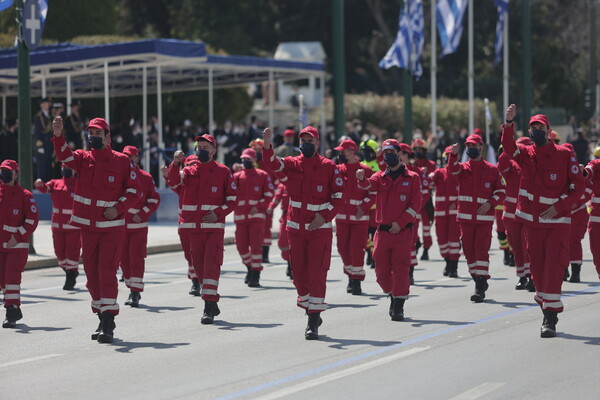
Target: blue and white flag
x=502 y=6
x=43 y=11
x=408 y=45
x=449 y=16
x=4 y=4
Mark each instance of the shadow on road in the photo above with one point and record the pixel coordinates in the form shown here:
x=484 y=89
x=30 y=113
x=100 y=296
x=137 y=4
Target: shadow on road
x=34 y=296
x=377 y=296
x=126 y=347
x=234 y=297
x=342 y=344
x=587 y=339
x=417 y=323
x=24 y=328
x=431 y=287
x=161 y=309
x=234 y=326
x=509 y=304
x=350 y=305
x=275 y=288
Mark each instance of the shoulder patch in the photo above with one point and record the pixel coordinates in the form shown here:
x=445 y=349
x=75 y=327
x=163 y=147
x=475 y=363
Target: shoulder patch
x=32 y=200
x=233 y=185
x=573 y=159
x=574 y=169
x=336 y=171
x=339 y=181
x=133 y=176
x=33 y=208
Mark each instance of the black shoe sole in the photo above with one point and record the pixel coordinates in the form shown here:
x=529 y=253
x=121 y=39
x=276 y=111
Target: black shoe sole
x=197 y=294
x=102 y=338
x=398 y=317
x=477 y=298
x=576 y=280
x=547 y=333
x=207 y=321
x=95 y=335
x=311 y=336
x=253 y=285
x=9 y=325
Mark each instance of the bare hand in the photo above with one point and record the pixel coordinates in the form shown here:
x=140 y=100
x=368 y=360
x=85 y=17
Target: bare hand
x=267 y=134
x=179 y=157
x=359 y=212
x=38 y=183
x=395 y=228
x=484 y=208
x=57 y=124
x=164 y=170
x=316 y=223
x=452 y=206
x=12 y=242
x=360 y=175
x=378 y=153
x=210 y=217
x=511 y=112
x=269 y=211
x=550 y=213
x=253 y=210
x=455 y=149
x=110 y=213
x=136 y=218
x=237 y=167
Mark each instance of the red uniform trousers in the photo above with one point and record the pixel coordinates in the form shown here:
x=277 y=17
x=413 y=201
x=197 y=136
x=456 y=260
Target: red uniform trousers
x=207 y=255
x=579 y=222
x=184 y=238
x=426 y=224
x=549 y=253
x=283 y=240
x=267 y=231
x=351 y=242
x=448 y=236
x=101 y=257
x=476 y=242
x=12 y=265
x=500 y=223
x=67 y=248
x=133 y=260
x=310 y=259
x=515 y=232
x=392 y=262
x=415 y=239
x=594 y=231
x=249 y=242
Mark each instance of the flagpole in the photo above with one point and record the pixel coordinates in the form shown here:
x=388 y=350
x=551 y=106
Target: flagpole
x=471 y=72
x=433 y=70
x=505 y=76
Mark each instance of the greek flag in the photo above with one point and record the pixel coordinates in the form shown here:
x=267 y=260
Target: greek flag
x=449 y=16
x=502 y=6
x=4 y=4
x=408 y=45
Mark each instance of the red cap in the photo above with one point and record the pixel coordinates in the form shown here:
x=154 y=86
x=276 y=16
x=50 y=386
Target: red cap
x=553 y=135
x=131 y=151
x=207 y=138
x=569 y=146
x=257 y=142
x=539 y=118
x=474 y=138
x=99 y=123
x=390 y=144
x=10 y=164
x=447 y=150
x=347 y=145
x=525 y=140
x=478 y=131
x=250 y=153
x=289 y=132
x=193 y=159
x=312 y=131
x=418 y=143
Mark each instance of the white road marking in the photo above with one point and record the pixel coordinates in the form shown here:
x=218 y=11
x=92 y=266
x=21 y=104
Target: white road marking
x=26 y=360
x=479 y=391
x=341 y=374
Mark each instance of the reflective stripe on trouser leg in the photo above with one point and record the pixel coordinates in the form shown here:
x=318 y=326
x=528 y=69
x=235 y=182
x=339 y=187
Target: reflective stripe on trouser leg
x=392 y=262
x=515 y=233
x=184 y=238
x=441 y=232
x=579 y=222
x=359 y=235
x=257 y=232
x=12 y=265
x=426 y=223
x=267 y=230
x=242 y=242
x=476 y=241
x=342 y=233
x=207 y=254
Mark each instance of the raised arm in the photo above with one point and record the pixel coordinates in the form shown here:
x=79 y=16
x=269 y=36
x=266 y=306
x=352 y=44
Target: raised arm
x=62 y=150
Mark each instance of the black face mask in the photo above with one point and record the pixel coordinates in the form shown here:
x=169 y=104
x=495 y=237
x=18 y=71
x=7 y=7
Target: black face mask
x=248 y=164
x=202 y=155
x=368 y=155
x=66 y=172
x=419 y=155
x=307 y=149
x=95 y=142
x=342 y=159
x=6 y=175
x=538 y=136
x=391 y=159
x=473 y=152
x=258 y=156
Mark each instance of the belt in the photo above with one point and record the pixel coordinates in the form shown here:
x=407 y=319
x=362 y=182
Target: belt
x=386 y=228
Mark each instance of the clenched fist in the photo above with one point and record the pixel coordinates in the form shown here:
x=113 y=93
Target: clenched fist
x=179 y=157
x=57 y=125
x=511 y=112
x=360 y=175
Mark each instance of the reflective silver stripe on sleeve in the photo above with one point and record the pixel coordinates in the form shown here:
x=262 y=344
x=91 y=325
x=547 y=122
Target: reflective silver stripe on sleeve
x=82 y=200
x=208 y=207
x=153 y=201
x=68 y=159
x=102 y=203
x=83 y=221
x=189 y=207
x=110 y=224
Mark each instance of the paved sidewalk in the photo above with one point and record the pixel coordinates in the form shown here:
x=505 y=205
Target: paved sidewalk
x=162 y=238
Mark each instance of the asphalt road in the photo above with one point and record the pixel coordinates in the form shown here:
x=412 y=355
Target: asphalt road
x=447 y=348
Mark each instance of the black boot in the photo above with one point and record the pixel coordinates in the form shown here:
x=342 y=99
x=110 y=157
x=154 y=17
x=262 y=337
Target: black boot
x=425 y=255
x=312 y=329
x=507 y=257
x=356 y=290
x=511 y=259
x=522 y=285
x=481 y=286
x=211 y=310
x=453 y=269
x=398 y=310
x=575 y=273
x=411 y=275
x=566 y=276
x=254 y=279
x=97 y=332
x=369 y=260
x=107 y=327
x=418 y=245
x=549 y=324
x=70 y=279
x=447 y=267
x=530 y=285
x=195 y=289
x=288 y=272
x=134 y=299
x=349 y=287
x=13 y=314
x=247 y=278
x=265 y=258
x=391 y=312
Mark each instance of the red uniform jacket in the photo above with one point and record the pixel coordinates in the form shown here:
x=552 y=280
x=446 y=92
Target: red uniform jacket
x=446 y=192
x=546 y=175
x=593 y=175
x=281 y=197
x=397 y=200
x=314 y=185
x=479 y=182
x=148 y=202
x=61 y=192
x=106 y=178
x=18 y=216
x=206 y=187
x=355 y=197
x=255 y=189
x=511 y=172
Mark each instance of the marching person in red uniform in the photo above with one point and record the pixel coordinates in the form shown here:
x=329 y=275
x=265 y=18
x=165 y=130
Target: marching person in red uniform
x=19 y=218
x=315 y=187
x=446 y=225
x=283 y=241
x=209 y=195
x=255 y=191
x=419 y=148
x=352 y=222
x=511 y=172
x=184 y=234
x=66 y=237
x=592 y=174
x=546 y=198
x=136 y=237
x=107 y=186
x=480 y=190
x=398 y=199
